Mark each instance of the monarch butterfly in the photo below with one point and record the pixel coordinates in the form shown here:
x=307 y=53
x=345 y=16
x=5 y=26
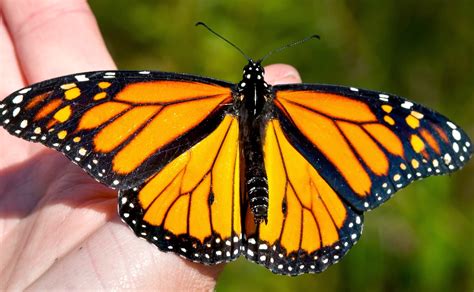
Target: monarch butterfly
x=212 y=170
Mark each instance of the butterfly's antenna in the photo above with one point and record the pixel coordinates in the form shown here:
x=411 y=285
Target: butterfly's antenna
x=315 y=36
x=221 y=37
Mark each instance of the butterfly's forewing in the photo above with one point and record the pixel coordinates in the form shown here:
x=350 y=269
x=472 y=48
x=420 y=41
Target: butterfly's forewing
x=120 y=126
x=309 y=227
x=365 y=144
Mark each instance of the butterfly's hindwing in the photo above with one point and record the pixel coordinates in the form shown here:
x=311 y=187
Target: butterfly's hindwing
x=309 y=227
x=192 y=206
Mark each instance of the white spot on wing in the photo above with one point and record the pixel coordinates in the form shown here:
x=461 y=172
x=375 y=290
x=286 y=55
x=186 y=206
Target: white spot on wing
x=18 y=99
x=407 y=104
x=383 y=97
x=262 y=246
x=16 y=111
x=81 y=78
x=82 y=151
x=24 y=90
x=451 y=125
x=447 y=158
x=456 y=135
x=456 y=147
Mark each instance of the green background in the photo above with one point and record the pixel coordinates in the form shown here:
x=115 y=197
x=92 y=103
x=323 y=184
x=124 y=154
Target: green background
x=422 y=239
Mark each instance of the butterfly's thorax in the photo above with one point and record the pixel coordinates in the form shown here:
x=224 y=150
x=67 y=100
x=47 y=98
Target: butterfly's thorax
x=253 y=112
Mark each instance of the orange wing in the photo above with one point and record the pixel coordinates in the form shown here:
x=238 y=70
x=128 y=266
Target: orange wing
x=309 y=226
x=366 y=144
x=192 y=206
x=121 y=127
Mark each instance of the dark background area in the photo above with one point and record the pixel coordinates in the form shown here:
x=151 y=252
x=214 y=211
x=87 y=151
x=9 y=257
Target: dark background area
x=420 y=240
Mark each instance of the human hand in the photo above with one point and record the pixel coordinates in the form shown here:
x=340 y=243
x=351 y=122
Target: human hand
x=58 y=227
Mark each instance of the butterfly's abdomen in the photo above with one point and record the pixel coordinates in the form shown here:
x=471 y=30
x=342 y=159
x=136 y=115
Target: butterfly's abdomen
x=254 y=181
x=257 y=190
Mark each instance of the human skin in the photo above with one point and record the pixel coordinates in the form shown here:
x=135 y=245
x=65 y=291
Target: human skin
x=59 y=228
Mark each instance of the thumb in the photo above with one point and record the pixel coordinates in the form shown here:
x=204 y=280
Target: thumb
x=281 y=74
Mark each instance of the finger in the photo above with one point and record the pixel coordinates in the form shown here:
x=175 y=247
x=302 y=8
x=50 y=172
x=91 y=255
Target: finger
x=55 y=37
x=281 y=74
x=13 y=149
x=10 y=74
x=51 y=38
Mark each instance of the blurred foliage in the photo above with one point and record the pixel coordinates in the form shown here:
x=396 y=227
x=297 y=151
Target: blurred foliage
x=423 y=238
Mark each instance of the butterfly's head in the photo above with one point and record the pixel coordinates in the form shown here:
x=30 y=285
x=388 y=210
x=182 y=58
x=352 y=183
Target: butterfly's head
x=253 y=78
x=253 y=72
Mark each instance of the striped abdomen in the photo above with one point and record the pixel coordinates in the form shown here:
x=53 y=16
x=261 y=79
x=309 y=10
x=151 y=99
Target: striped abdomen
x=254 y=180
x=257 y=190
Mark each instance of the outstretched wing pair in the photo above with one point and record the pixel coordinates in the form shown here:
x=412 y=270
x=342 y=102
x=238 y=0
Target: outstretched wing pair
x=170 y=144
